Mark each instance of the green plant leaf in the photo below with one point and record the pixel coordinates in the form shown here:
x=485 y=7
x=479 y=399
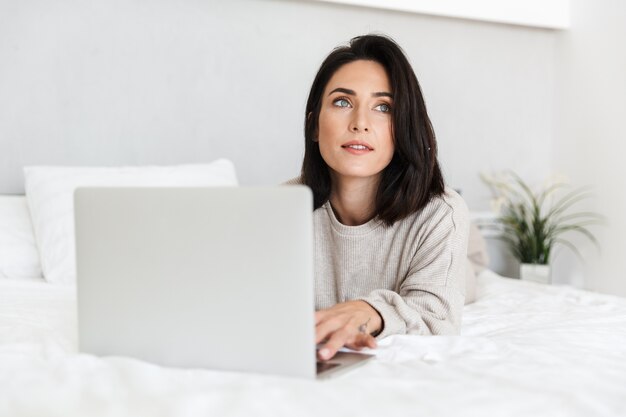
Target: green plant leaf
x=549 y=191
x=579 y=229
x=583 y=214
x=572 y=247
x=569 y=200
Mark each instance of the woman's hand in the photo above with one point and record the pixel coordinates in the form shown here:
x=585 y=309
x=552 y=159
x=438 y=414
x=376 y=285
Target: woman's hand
x=349 y=324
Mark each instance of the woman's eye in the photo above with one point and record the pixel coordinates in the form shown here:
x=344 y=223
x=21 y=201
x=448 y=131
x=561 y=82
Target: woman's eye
x=385 y=108
x=342 y=102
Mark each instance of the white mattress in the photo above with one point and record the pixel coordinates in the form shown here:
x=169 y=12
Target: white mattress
x=525 y=350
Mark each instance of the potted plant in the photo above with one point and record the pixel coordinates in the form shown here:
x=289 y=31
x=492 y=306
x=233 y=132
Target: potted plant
x=532 y=222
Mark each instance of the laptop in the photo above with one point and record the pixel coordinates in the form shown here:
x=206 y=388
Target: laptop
x=218 y=278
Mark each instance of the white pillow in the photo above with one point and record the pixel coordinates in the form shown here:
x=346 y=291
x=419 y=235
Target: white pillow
x=50 y=194
x=19 y=257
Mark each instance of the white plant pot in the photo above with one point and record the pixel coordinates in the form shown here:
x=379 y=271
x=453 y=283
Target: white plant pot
x=535 y=273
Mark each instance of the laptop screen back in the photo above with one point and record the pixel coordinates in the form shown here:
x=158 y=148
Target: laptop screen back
x=217 y=278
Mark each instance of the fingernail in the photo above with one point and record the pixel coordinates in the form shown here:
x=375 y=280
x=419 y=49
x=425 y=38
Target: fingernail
x=324 y=353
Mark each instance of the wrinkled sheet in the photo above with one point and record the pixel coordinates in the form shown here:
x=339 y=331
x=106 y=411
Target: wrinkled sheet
x=526 y=349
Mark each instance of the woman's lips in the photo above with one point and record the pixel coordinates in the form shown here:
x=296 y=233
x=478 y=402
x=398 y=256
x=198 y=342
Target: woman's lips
x=357 y=147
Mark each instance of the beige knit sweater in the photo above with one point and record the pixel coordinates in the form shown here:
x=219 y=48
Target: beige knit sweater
x=412 y=273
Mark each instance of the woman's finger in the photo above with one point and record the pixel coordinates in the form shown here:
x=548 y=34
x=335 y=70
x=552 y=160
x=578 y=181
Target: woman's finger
x=319 y=316
x=360 y=341
x=336 y=342
x=327 y=327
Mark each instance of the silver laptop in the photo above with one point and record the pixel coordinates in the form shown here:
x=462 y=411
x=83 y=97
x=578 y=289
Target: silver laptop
x=218 y=278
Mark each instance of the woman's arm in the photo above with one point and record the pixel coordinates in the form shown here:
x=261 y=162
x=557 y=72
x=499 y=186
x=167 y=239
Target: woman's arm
x=430 y=298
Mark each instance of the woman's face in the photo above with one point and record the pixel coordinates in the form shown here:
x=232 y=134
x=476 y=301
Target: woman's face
x=355 y=122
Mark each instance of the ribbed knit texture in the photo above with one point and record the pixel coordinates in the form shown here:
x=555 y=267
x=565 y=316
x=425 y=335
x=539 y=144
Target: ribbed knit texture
x=412 y=273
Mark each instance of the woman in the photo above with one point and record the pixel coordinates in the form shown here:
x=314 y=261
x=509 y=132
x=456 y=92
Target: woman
x=390 y=239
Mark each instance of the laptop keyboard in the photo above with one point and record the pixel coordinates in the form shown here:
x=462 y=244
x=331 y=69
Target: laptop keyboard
x=325 y=366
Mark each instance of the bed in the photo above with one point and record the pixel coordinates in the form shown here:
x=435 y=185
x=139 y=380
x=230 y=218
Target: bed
x=524 y=349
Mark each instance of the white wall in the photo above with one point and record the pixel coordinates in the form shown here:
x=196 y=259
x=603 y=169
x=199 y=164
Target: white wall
x=135 y=82
x=590 y=132
x=165 y=81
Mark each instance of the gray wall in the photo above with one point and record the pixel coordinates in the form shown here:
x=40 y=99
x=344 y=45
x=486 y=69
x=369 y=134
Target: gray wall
x=137 y=82
x=590 y=109
x=163 y=82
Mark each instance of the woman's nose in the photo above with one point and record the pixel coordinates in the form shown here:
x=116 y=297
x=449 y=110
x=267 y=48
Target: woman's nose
x=359 y=122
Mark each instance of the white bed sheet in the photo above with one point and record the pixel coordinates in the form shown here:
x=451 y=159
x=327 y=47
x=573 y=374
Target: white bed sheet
x=525 y=349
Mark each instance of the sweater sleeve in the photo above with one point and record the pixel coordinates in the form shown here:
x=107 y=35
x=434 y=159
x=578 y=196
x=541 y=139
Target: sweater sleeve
x=429 y=300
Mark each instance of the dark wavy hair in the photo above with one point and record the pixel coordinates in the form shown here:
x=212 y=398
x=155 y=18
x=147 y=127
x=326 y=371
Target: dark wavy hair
x=413 y=176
